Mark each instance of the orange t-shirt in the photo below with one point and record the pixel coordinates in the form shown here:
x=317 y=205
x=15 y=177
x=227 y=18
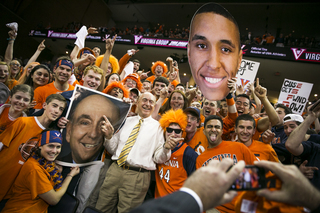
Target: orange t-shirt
x=151 y=79
x=41 y=93
x=226 y=149
x=199 y=142
x=263 y=151
x=76 y=82
x=171 y=175
x=230 y=128
x=11 y=161
x=5 y=119
x=12 y=83
x=32 y=180
x=269 y=39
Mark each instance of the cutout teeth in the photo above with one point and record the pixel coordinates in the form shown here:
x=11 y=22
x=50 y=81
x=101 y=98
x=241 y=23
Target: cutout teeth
x=89 y=145
x=213 y=80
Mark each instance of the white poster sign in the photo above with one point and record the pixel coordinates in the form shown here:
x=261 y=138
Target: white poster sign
x=295 y=95
x=247 y=72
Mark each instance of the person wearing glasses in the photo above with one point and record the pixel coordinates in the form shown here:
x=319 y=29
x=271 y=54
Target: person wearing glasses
x=171 y=175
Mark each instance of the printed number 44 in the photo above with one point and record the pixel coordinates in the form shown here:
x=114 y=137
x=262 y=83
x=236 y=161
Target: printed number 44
x=166 y=176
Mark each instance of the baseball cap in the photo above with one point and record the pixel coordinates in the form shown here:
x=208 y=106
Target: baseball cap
x=194 y=110
x=293 y=117
x=135 y=90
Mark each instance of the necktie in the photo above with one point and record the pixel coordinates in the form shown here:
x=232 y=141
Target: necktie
x=129 y=144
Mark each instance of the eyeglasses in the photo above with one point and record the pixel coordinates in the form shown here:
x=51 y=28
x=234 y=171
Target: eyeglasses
x=170 y=130
x=15 y=64
x=131 y=81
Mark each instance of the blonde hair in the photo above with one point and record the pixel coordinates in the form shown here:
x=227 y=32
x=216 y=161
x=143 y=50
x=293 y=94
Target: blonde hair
x=94 y=68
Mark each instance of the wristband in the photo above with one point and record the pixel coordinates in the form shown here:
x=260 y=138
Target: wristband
x=10 y=39
x=70 y=176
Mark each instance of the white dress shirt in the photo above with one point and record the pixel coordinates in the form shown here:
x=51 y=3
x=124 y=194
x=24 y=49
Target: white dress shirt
x=148 y=148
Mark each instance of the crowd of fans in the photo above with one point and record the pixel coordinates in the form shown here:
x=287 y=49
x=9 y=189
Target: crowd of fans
x=289 y=40
x=189 y=124
x=159 y=31
x=182 y=33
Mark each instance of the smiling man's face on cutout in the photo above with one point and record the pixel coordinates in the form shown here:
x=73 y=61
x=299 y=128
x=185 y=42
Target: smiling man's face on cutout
x=214 y=53
x=84 y=129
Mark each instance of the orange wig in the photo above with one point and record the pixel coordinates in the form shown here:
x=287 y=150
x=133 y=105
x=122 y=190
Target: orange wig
x=174 y=116
x=119 y=85
x=163 y=65
x=136 y=78
x=112 y=60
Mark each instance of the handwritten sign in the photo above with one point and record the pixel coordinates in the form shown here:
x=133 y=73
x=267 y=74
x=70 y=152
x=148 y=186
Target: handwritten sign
x=247 y=72
x=295 y=95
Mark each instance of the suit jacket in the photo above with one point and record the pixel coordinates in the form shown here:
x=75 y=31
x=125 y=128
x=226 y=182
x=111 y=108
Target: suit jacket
x=177 y=202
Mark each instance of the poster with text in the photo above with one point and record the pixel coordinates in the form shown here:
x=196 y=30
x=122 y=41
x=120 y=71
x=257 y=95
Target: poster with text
x=247 y=72
x=295 y=95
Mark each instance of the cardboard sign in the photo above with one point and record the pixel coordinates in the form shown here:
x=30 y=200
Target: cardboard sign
x=295 y=95
x=247 y=72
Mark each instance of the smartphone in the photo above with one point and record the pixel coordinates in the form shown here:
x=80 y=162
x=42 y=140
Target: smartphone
x=251 y=178
x=314 y=105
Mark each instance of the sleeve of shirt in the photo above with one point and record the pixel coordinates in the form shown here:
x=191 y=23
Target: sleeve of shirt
x=189 y=160
x=194 y=195
x=198 y=163
x=123 y=62
x=38 y=97
x=273 y=155
x=11 y=132
x=307 y=149
x=112 y=144
x=161 y=154
x=38 y=183
x=314 y=138
x=228 y=123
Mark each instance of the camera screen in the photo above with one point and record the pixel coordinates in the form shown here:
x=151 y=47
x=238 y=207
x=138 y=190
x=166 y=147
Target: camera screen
x=247 y=180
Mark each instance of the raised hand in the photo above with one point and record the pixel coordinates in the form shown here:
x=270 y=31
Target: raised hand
x=107 y=128
x=268 y=136
x=133 y=51
x=144 y=75
x=110 y=43
x=41 y=45
x=260 y=91
x=12 y=34
x=173 y=75
x=92 y=30
x=164 y=92
x=232 y=84
x=62 y=123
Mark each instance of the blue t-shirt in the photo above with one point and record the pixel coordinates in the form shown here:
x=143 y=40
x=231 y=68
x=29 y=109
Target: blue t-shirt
x=311 y=152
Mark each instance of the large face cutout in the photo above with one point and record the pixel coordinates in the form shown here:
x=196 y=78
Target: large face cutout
x=84 y=129
x=214 y=54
